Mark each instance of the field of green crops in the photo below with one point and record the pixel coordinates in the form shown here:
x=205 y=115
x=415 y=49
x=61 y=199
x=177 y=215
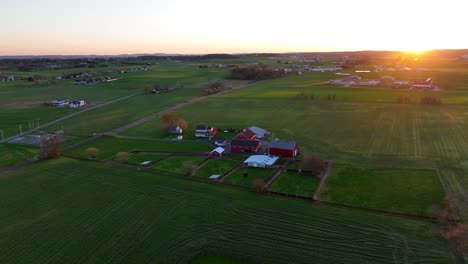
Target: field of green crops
x=295 y=183
x=109 y=146
x=178 y=164
x=84 y=212
x=12 y=153
x=217 y=166
x=399 y=190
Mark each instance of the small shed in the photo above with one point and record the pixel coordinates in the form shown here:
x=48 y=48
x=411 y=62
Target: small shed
x=283 y=148
x=215 y=176
x=218 y=152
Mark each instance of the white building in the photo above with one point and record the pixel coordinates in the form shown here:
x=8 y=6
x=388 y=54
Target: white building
x=260 y=132
x=260 y=161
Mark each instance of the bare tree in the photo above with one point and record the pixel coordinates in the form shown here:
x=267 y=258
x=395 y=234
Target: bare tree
x=92 y=153
x=315 y=164
x=259 y=184
x=121 y=157
x=50 y=146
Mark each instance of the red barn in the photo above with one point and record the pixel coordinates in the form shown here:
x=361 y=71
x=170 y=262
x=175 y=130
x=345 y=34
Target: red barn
x=244 y=145
x=282 y=148
x=246 y=134
x=217 y=152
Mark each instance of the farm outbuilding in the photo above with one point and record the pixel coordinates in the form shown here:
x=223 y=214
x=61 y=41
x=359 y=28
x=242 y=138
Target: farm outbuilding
x=174 y=129
x=245 y=145
x=261 y=161
x=288 y=149
x=218 y=152
x=259 y=132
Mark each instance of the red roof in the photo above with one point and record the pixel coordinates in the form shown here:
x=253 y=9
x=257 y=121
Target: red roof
x=246 y=134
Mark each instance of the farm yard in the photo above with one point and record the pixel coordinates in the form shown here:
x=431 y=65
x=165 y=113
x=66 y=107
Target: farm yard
x=99 y=213
x=391 y=163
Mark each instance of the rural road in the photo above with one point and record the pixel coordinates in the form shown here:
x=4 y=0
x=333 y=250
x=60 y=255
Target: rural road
x=65 y=118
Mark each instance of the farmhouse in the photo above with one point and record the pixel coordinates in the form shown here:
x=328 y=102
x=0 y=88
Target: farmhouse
x=259 y=132
x=261 y=161
x=346 y=81
x=244 y=145
x=174 y=129
x=217 y=152
x=77 y=103
x=60 y=102
x=246 y=134
x=204 y=131
x=427 y=84
x=282 y=148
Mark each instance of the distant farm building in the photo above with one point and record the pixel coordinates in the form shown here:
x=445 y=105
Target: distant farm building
x=288 y=149
x=246 y=134
x=259 y=132
x=204 y=131
x=401 y=84
x=77 y=103
x=427 y=84
x=60 y=102
x=244 y=145
x=346 y=81
x=260 y=161
x=174 y=129
x=218 y=152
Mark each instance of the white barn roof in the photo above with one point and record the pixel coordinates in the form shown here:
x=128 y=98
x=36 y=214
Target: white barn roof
x=262 y=159
x=218 y=150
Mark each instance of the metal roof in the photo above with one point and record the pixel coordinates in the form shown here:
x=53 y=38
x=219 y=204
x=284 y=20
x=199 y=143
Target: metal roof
x=262 y=159
x=245 y=143
x=281 y=144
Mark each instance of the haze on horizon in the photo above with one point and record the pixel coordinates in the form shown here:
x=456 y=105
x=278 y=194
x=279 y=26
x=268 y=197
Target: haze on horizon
x=107 y=27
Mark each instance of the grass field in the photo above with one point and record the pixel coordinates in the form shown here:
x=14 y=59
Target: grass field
x=178 y=164
x=163 y=74
x=84 y=212
x=138 y=158
x=238 y=177
x=217 y=166
x=398 y=190
x=109 y=146
x=28 y=118
x=13 y=153
x=295 y=183
x=216 y=260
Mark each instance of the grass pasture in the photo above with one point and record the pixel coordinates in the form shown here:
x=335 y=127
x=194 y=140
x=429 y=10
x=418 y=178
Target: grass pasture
x=110 y=146
x=178 y=164
x=12 y=153
x=137 y=158
x=295 y=183
x=399 y=190
x=238 y=177
x=84 y=212
x=217 y=166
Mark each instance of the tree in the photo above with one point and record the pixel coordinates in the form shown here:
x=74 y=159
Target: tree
x=315 y=164
x=259 y=184
x=189 y=167
x=168 y=120
x=121 y=157
x=50 y=146
x=92 y=152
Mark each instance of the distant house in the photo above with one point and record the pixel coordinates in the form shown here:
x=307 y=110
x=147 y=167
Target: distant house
x=218 y=152
x=244 y=145
x=346 y=81
x=259 y=132
x=282 y=148
x=261 y=161
x=77 y=103
x=401 y=84
x=427 y=84
x=174 y=129
x=60 y=102
x=204 y=131
x=246 y=134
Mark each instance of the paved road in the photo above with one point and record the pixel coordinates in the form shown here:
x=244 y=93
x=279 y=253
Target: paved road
x=66 y=117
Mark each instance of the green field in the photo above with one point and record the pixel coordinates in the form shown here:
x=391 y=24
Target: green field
x=110 y=146
x=28 y=118
x=138 y=158
x=216 y=260
x=13 y=153
x=295 y=183
x=399 y=190
x=84 y=212
x=178 y=164
x=217 y=166
x=238 y=177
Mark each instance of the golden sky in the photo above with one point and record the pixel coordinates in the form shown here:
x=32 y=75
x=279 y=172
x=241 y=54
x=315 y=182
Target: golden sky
x=30 y=27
